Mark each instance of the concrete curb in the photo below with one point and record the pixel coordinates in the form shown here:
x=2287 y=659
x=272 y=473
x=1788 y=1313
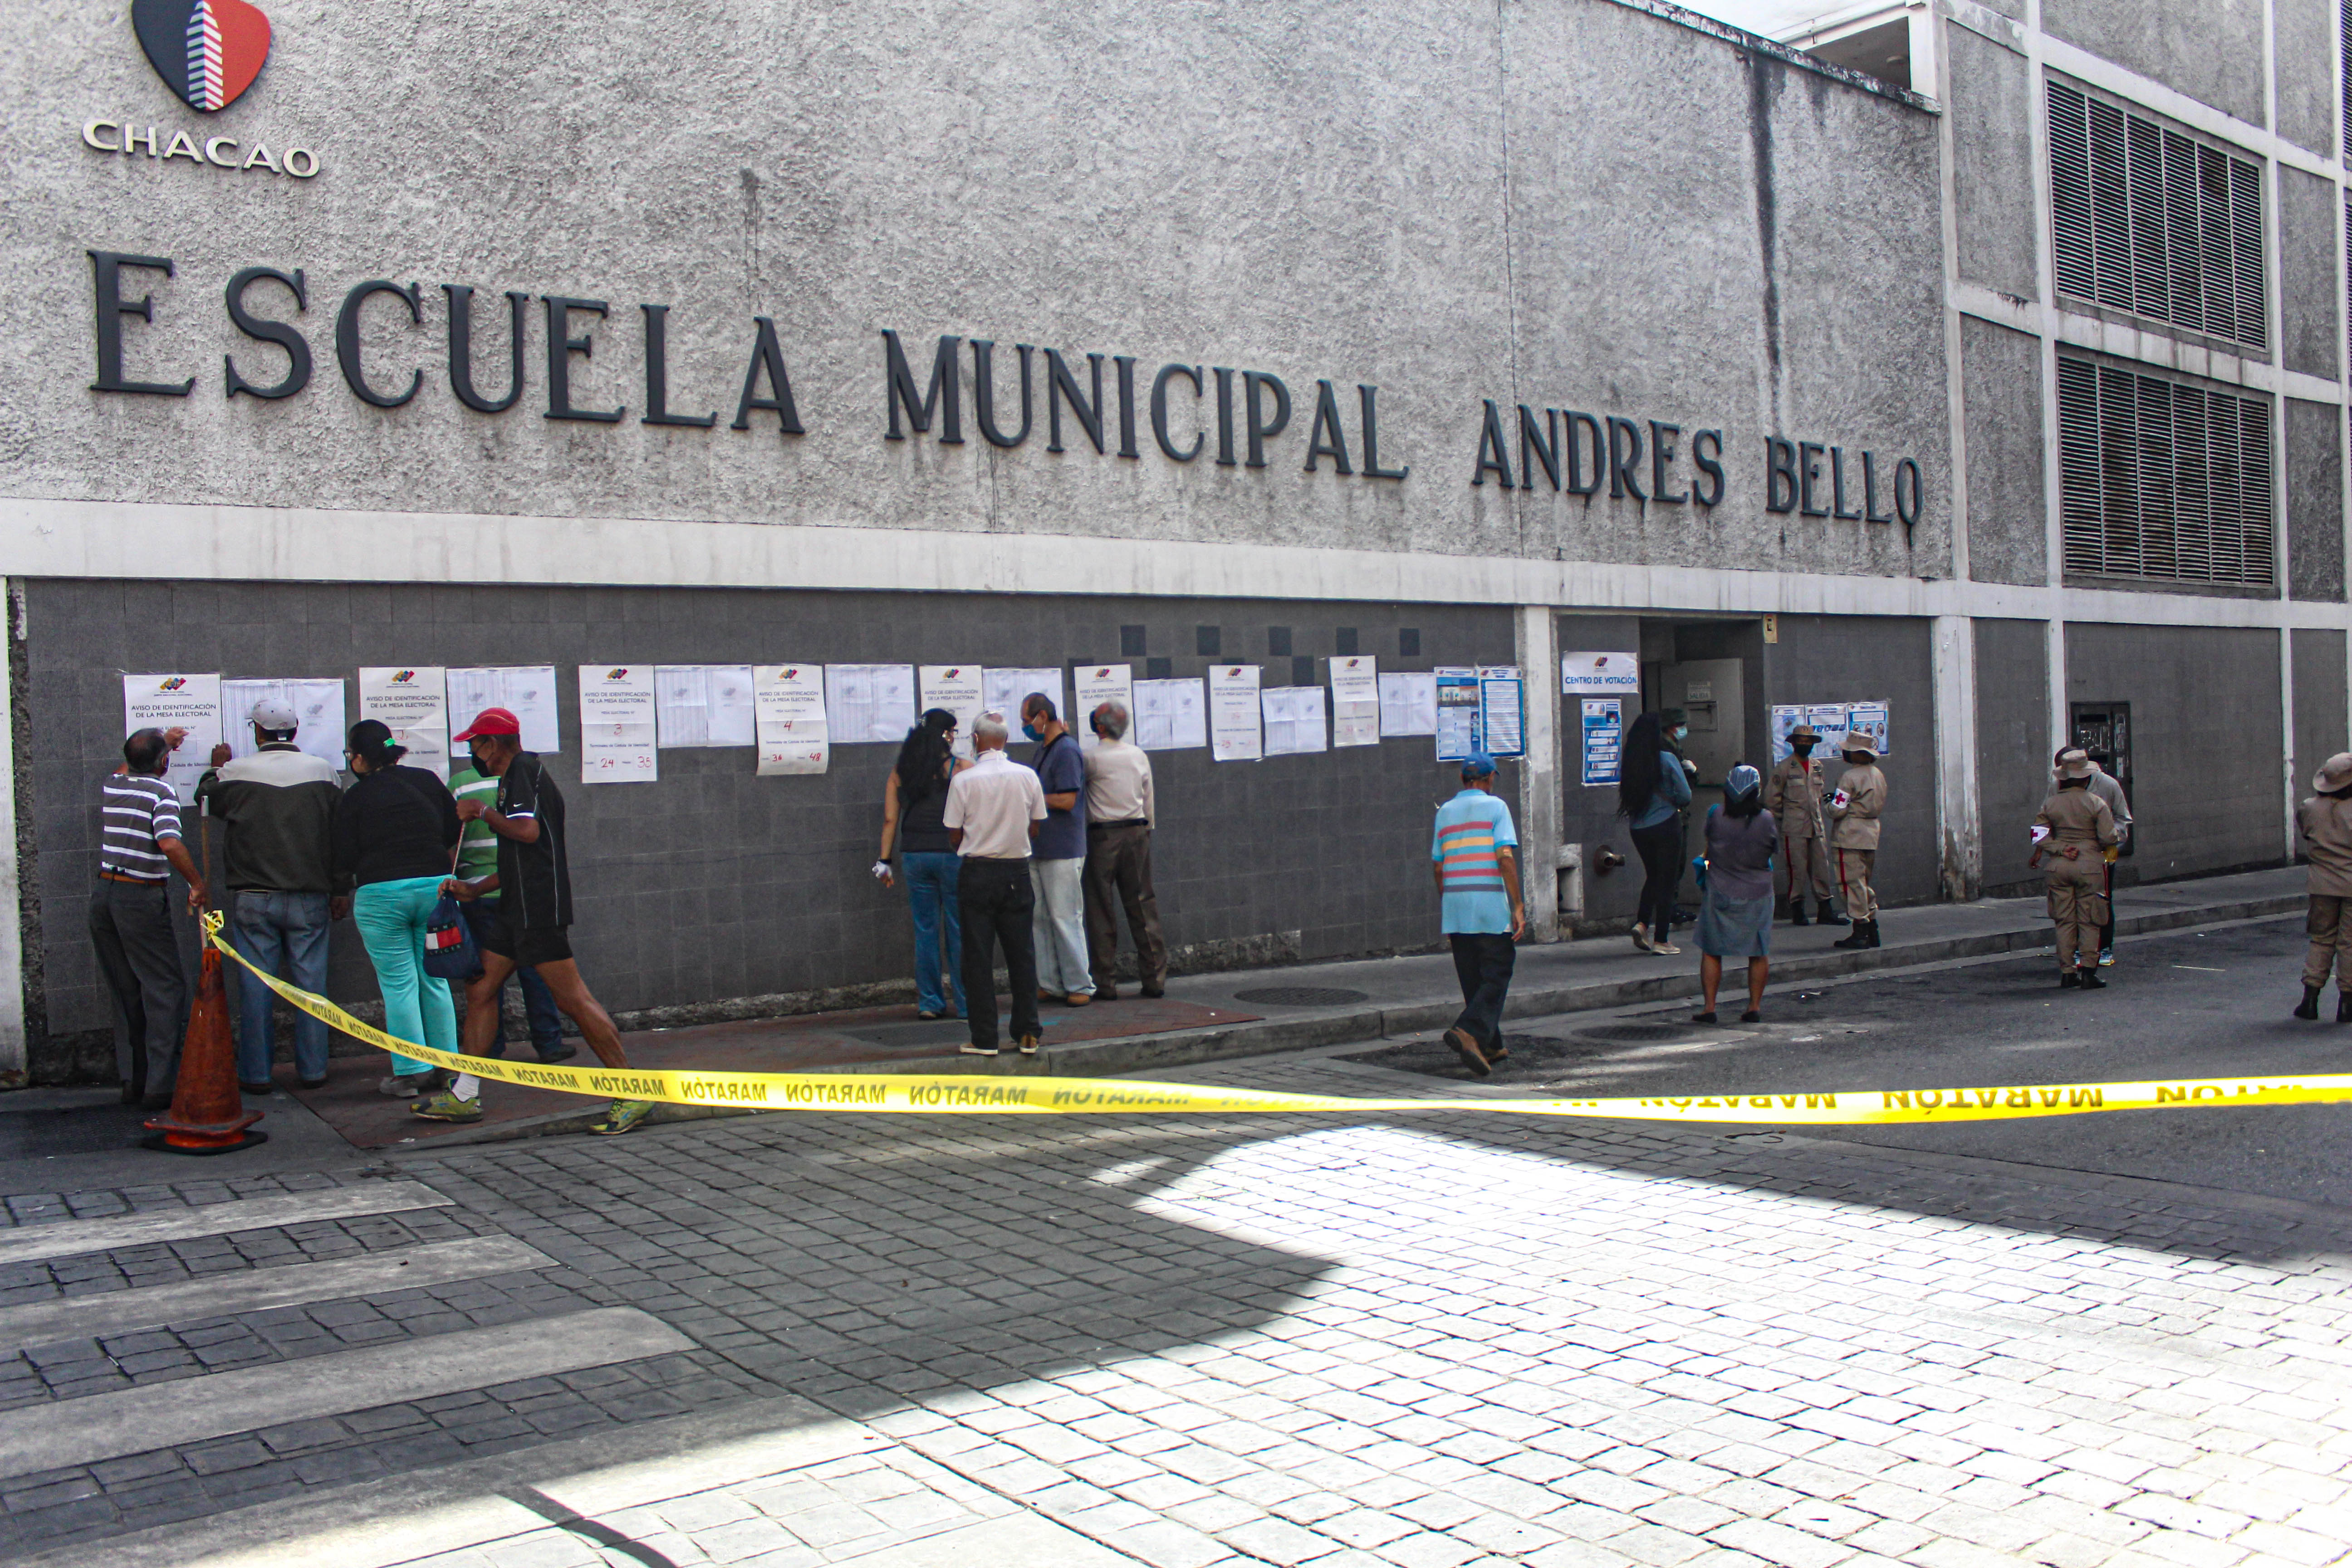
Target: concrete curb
x=1344 y=1025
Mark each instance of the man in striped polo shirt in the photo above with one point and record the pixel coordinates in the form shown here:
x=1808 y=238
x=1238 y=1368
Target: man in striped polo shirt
x=1484 y=916
x=131 y=917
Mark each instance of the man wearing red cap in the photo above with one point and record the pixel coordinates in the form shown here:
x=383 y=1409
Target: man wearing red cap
x=534 y=927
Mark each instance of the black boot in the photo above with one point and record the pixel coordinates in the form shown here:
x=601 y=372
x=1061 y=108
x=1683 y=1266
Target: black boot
x=2091 y=980
x=1858 y=937
x=1872 y=924
x=2068 y=979
x=1828 y=917
x=2342 y=1006
x=1796 y=911
x=2308 y=1008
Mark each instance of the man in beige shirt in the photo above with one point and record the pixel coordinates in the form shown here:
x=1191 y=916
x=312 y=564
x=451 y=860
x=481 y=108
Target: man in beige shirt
x=992 y=811
x=1119 y=820
x=1855 y=809
x=2325 y=821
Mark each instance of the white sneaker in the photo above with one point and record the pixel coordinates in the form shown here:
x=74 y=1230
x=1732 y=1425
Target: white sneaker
x=2107 y=958
x=1664 y=947
x=971 y=1050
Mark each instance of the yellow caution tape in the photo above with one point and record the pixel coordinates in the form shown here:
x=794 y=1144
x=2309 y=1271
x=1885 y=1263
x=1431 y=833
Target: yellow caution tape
x=932 y=1094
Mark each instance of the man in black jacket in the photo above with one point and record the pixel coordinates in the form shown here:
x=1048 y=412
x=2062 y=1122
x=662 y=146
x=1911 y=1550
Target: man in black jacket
x=534 y=882
x=277 y=806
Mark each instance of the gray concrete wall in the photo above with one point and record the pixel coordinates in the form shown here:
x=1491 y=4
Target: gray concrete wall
x=2209 y=49
x=2311 y=290
x=2001 y=390
x=2012 y=743
x=1824 y=659
x=1992 y=108
x=2315 y=501
x=712 y=883
x=2320 y=721
x=2307 y=45
x=1589 y=817
x=1230 y=186
x=2206 y=712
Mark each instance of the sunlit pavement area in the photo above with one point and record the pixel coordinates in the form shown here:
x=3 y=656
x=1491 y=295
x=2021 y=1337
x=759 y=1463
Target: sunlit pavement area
x=1428 y=1339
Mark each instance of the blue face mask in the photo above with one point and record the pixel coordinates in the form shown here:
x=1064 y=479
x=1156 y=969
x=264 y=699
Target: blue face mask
x=1031 y=730
x=1681 y=731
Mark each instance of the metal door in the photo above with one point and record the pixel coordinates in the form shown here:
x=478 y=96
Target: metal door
x=2104 y=730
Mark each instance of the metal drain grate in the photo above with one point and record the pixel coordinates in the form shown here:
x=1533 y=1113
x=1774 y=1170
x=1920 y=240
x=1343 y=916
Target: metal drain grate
x=1640 y=1033
x=1301 y=996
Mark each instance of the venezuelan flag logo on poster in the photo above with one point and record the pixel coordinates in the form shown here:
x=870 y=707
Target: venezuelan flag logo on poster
x=209 y=51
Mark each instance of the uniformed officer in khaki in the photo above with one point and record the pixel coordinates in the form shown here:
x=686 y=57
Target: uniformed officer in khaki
x=1855 y=808
x=1793 y=796
x=2071 y=835
x=2326 y=820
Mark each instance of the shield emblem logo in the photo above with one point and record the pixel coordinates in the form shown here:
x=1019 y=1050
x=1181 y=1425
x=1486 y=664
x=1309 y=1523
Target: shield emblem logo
x=207 y=51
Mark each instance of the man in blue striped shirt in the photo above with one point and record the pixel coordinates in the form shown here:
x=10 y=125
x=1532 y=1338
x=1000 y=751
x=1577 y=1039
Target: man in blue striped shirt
x=131 y=916
x=1473 y=854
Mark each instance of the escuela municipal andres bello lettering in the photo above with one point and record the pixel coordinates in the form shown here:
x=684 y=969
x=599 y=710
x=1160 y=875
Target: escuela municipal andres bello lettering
x=1573 y=452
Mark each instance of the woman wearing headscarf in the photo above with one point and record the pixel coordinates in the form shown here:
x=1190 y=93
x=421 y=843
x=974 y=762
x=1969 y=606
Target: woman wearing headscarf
x=912 y=803
x=1736 y=919
x=395 y=838
x=1652 y=789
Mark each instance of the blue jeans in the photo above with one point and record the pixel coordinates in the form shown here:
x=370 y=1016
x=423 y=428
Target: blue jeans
x=931 y=882
x=269 y=930
x=416 y=1005
x=538 y=1001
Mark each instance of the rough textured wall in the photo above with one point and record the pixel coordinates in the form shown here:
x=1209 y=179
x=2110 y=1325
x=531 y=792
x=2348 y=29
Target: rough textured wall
x=1226 y=186
x=711 y=883
x=2311 y=334
x=1992 y=108
x=2320 y=720
x=2307 y=45
x=2196 y=811
x=2013 y=739
x=2209 y=49
x=2001 y=391
x=1854 y=658
x=2315 y=501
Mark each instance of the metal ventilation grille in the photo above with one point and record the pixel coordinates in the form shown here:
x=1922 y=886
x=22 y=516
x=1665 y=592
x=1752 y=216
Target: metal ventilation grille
x=2162 y=479
x=2146 y=220
x=2343 y=44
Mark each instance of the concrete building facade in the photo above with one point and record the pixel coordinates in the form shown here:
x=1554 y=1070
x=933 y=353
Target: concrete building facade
x=1016 y=335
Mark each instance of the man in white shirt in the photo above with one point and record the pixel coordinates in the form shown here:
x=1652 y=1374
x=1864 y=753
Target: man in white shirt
x=1121 y=817
x=993 y=809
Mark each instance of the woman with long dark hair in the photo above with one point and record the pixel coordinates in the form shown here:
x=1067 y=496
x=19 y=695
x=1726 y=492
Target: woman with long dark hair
x=1736 y=919
x=1652 y=789
x=912 y=804
x=395 y=837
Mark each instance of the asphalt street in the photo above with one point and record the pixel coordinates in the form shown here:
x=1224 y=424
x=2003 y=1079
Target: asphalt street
x=2211 y=1004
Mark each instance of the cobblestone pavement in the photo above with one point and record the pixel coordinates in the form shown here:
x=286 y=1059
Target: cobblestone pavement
x=1430 y=1340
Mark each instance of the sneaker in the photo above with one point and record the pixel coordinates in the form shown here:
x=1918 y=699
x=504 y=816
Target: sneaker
x=409 y=1085
x=564 y=1052
x=311 y=1083
x=1664 y=947
x=1105 y=992
x=255 y=1087
x=1154 y=992
x=2107 y=958
x=971 y=1050
x=927 y=1014
x=625 y=1116
x=1028 y=1046
x=446 y=1107
x=1078 y=998
x=1467 y=1049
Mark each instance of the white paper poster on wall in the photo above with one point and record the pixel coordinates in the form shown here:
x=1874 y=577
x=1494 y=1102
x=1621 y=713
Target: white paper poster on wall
x=869 y=703
x=957 y=689
x=619 y=735
x=1409 y=702
x=1235 y=719
x=318 y=711
x=1004 y=691
x=703 y=705
x=1458 y=713
x=1867 y=718
x=1294 y=721
x=525 y=691
x=788 y=700
x=1600 y=675
x=177 y=701
x=1356 y=700
x=1603 y=741
x=1829 y=719
x=1097 y=684
x=413 y=701
x=1502 y=712
x=1171 y=715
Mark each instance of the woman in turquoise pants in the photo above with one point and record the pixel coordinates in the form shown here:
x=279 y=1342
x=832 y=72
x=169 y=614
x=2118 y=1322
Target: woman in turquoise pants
x=395 y=831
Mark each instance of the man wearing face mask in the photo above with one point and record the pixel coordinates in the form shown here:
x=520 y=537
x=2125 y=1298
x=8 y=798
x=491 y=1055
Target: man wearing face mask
x=1793 y=796
x=1675 y=724
x=1057 y=859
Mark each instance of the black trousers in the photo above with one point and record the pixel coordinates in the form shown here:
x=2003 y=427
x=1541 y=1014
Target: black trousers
x=130 y=926
x=1661 y=848
x=1482 y=962
x=997 y=905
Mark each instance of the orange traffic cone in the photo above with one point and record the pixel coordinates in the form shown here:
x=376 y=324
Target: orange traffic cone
x=207 y=1114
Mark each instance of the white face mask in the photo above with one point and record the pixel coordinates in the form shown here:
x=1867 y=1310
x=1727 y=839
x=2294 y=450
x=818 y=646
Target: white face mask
x=1682 y=731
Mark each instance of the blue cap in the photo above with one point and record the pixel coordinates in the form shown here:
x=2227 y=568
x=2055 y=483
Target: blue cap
x=1478 y=765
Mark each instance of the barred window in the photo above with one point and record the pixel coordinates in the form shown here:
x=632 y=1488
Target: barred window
x=2162 y=479
x=2147 y=220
